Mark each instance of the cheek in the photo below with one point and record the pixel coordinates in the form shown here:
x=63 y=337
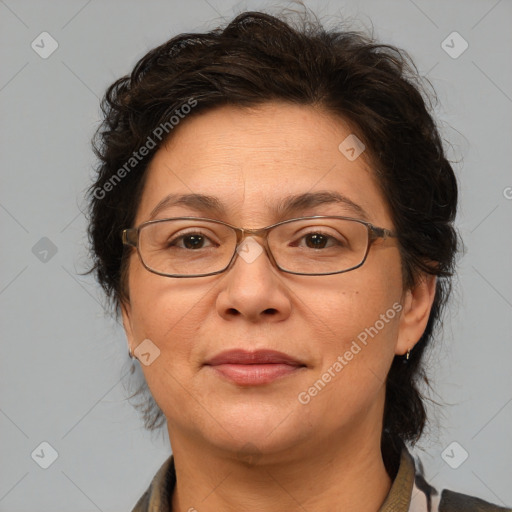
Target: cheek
x=363 y=331
x=362 y=311
x=159 y=303
x=174 y=326
x=353 y=369
x=172 y=313
x=169 y=314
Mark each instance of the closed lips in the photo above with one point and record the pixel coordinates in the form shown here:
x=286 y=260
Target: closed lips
x=244 y=357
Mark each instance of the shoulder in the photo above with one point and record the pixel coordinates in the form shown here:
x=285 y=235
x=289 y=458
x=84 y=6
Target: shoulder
x=426 y=498
x=452 y=501
x=159 y=493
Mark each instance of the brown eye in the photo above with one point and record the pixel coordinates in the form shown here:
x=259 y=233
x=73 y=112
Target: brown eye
x=190 y=241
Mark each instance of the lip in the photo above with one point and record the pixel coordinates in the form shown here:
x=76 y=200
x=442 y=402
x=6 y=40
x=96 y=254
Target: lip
x=247 y=368
x=247 y=357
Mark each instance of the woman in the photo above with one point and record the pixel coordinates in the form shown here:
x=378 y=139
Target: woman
x=273 y=218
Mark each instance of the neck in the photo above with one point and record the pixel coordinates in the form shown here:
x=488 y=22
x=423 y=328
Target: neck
x=342 y=476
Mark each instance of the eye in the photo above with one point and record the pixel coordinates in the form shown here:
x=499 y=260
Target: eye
x=192 y=240
x=316 y=240
x=321 y=240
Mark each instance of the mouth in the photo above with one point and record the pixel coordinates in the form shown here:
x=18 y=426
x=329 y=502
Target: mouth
x=254 y=368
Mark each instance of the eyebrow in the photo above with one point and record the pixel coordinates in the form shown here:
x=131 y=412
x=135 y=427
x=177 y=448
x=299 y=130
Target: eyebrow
x=285 y=207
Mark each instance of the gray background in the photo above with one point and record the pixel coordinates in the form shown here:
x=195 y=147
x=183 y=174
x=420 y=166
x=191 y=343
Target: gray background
x=64 y=363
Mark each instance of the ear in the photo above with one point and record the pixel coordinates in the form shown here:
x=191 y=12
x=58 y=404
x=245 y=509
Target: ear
x=417 y=303
x=127 y=324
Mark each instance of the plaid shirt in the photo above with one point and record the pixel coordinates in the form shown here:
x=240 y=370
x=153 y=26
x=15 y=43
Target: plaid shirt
x=409 y=493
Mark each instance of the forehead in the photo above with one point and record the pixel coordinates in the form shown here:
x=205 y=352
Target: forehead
x=249 y=161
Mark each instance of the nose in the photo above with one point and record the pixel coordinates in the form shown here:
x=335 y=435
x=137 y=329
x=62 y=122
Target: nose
x=253 y=288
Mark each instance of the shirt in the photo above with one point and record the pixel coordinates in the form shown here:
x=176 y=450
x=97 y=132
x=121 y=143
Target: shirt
x=409 y=493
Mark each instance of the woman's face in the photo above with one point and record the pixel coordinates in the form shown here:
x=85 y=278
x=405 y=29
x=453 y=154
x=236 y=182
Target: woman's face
x=251 y=160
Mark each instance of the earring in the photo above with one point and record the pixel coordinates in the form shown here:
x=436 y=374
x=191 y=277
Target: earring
x=406 y=359
x=130 y=353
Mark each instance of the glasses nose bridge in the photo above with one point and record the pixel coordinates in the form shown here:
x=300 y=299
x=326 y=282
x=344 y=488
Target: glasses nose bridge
x=243 y=233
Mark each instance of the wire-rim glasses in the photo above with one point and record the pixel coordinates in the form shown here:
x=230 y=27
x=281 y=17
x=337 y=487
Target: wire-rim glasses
x=158 y=245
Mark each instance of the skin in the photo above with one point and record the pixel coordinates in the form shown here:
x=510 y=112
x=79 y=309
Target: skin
x=258 y=448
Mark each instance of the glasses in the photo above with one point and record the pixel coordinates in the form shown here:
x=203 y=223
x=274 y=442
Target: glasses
x=309 y=246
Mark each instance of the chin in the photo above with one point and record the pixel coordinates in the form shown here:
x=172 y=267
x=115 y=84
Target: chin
x=253 y=432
